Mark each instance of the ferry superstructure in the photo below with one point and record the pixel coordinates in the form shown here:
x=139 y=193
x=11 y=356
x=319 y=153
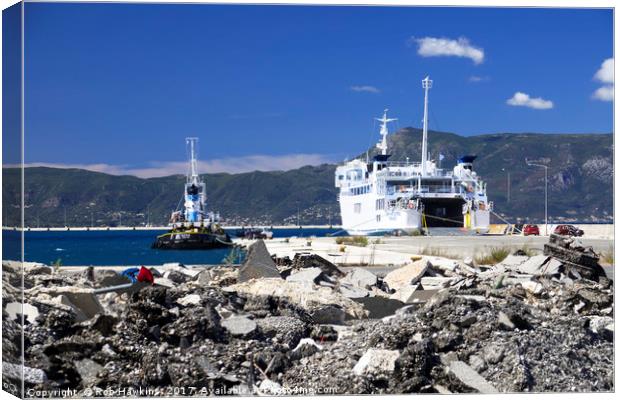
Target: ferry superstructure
x=380 y=196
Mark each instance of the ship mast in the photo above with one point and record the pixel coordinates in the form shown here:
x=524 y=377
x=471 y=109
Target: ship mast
x=384 y=131
x=192 y=176
x=426 y=84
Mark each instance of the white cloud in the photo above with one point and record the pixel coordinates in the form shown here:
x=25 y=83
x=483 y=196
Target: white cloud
x=436 y=47
x=231 y=165
x=524 y=100
x=476 y=79
x=605 y=74
x=604 y=93
x=365 y=88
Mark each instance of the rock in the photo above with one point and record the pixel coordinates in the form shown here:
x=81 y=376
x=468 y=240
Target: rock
x=306 y=276
x=31 y=375
x=493 y=354
x=88 y=370
x=239 y=325
x=190 y=299
x=533 y=287
x=604 y=326
x=407 y=275
x=305 y=348
x=328 y=314
x=15 y=310
x=360 y=277
x=376 y=361
x=468 y=261
x=258 y=264
x=510 y=320
x=176 y=276
x=270 y=388
x=470 y=377
x=477 y=363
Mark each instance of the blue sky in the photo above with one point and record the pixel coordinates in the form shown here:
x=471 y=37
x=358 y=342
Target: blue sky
x=117 y=87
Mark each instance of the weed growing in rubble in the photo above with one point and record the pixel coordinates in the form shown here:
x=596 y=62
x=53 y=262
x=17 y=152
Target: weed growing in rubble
x=361 y=241
x=608 y=256
x=437 y=252
x=497 y=254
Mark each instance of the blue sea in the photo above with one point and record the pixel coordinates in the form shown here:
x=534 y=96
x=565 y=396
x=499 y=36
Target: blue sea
x=117 y=248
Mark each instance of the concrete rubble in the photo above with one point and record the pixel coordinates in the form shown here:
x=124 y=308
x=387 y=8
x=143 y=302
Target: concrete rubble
x=527 y=324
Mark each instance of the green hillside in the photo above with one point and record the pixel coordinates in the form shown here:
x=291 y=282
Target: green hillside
x=580 y=185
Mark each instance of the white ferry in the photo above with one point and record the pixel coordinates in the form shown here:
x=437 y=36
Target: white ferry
x=379 y=196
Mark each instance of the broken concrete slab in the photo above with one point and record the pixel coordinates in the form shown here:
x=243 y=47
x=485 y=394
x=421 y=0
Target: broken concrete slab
x=435 y=282
x=239 y=325
x=405 y=293
x=297 y=293
x=306 y=276
x=83 y=299
x=407 y=275
x=361 y=277
x=258 y=263
x=352 y=292
x=443 y=265
x=15 y=310
x=380 y=307
x=376 y=361
x=301 y=261
x=532 y=265
x=470 y=377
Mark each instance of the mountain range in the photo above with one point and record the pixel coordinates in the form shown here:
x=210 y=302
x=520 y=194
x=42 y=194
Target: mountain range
x=580 y=185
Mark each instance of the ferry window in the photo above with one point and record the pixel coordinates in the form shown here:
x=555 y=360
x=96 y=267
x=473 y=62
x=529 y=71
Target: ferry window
x=357 y=208
x=340 y=177
x=378 y=218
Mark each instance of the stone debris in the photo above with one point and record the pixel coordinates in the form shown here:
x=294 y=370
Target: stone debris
x=307 y=276
x=407 y=275
x=470 y=377
x=31 y=375
x=527 y=324
x=258 y=263
x=239 y=325
x=376 y=361
x=192 y=299
x=15 y=310
x=361 y=278
x=301 y=294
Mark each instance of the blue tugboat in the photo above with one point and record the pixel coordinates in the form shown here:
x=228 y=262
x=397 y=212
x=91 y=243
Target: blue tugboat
x=193 y=228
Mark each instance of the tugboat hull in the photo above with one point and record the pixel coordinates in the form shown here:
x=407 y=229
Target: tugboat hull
x=191 y=241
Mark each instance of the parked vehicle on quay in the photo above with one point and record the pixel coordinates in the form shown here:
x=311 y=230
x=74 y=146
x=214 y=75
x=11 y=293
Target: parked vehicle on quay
x=568 y=230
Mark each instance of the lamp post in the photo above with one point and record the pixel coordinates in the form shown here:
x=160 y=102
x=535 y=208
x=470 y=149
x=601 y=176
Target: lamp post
x=507 y=185
x=546 y=168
